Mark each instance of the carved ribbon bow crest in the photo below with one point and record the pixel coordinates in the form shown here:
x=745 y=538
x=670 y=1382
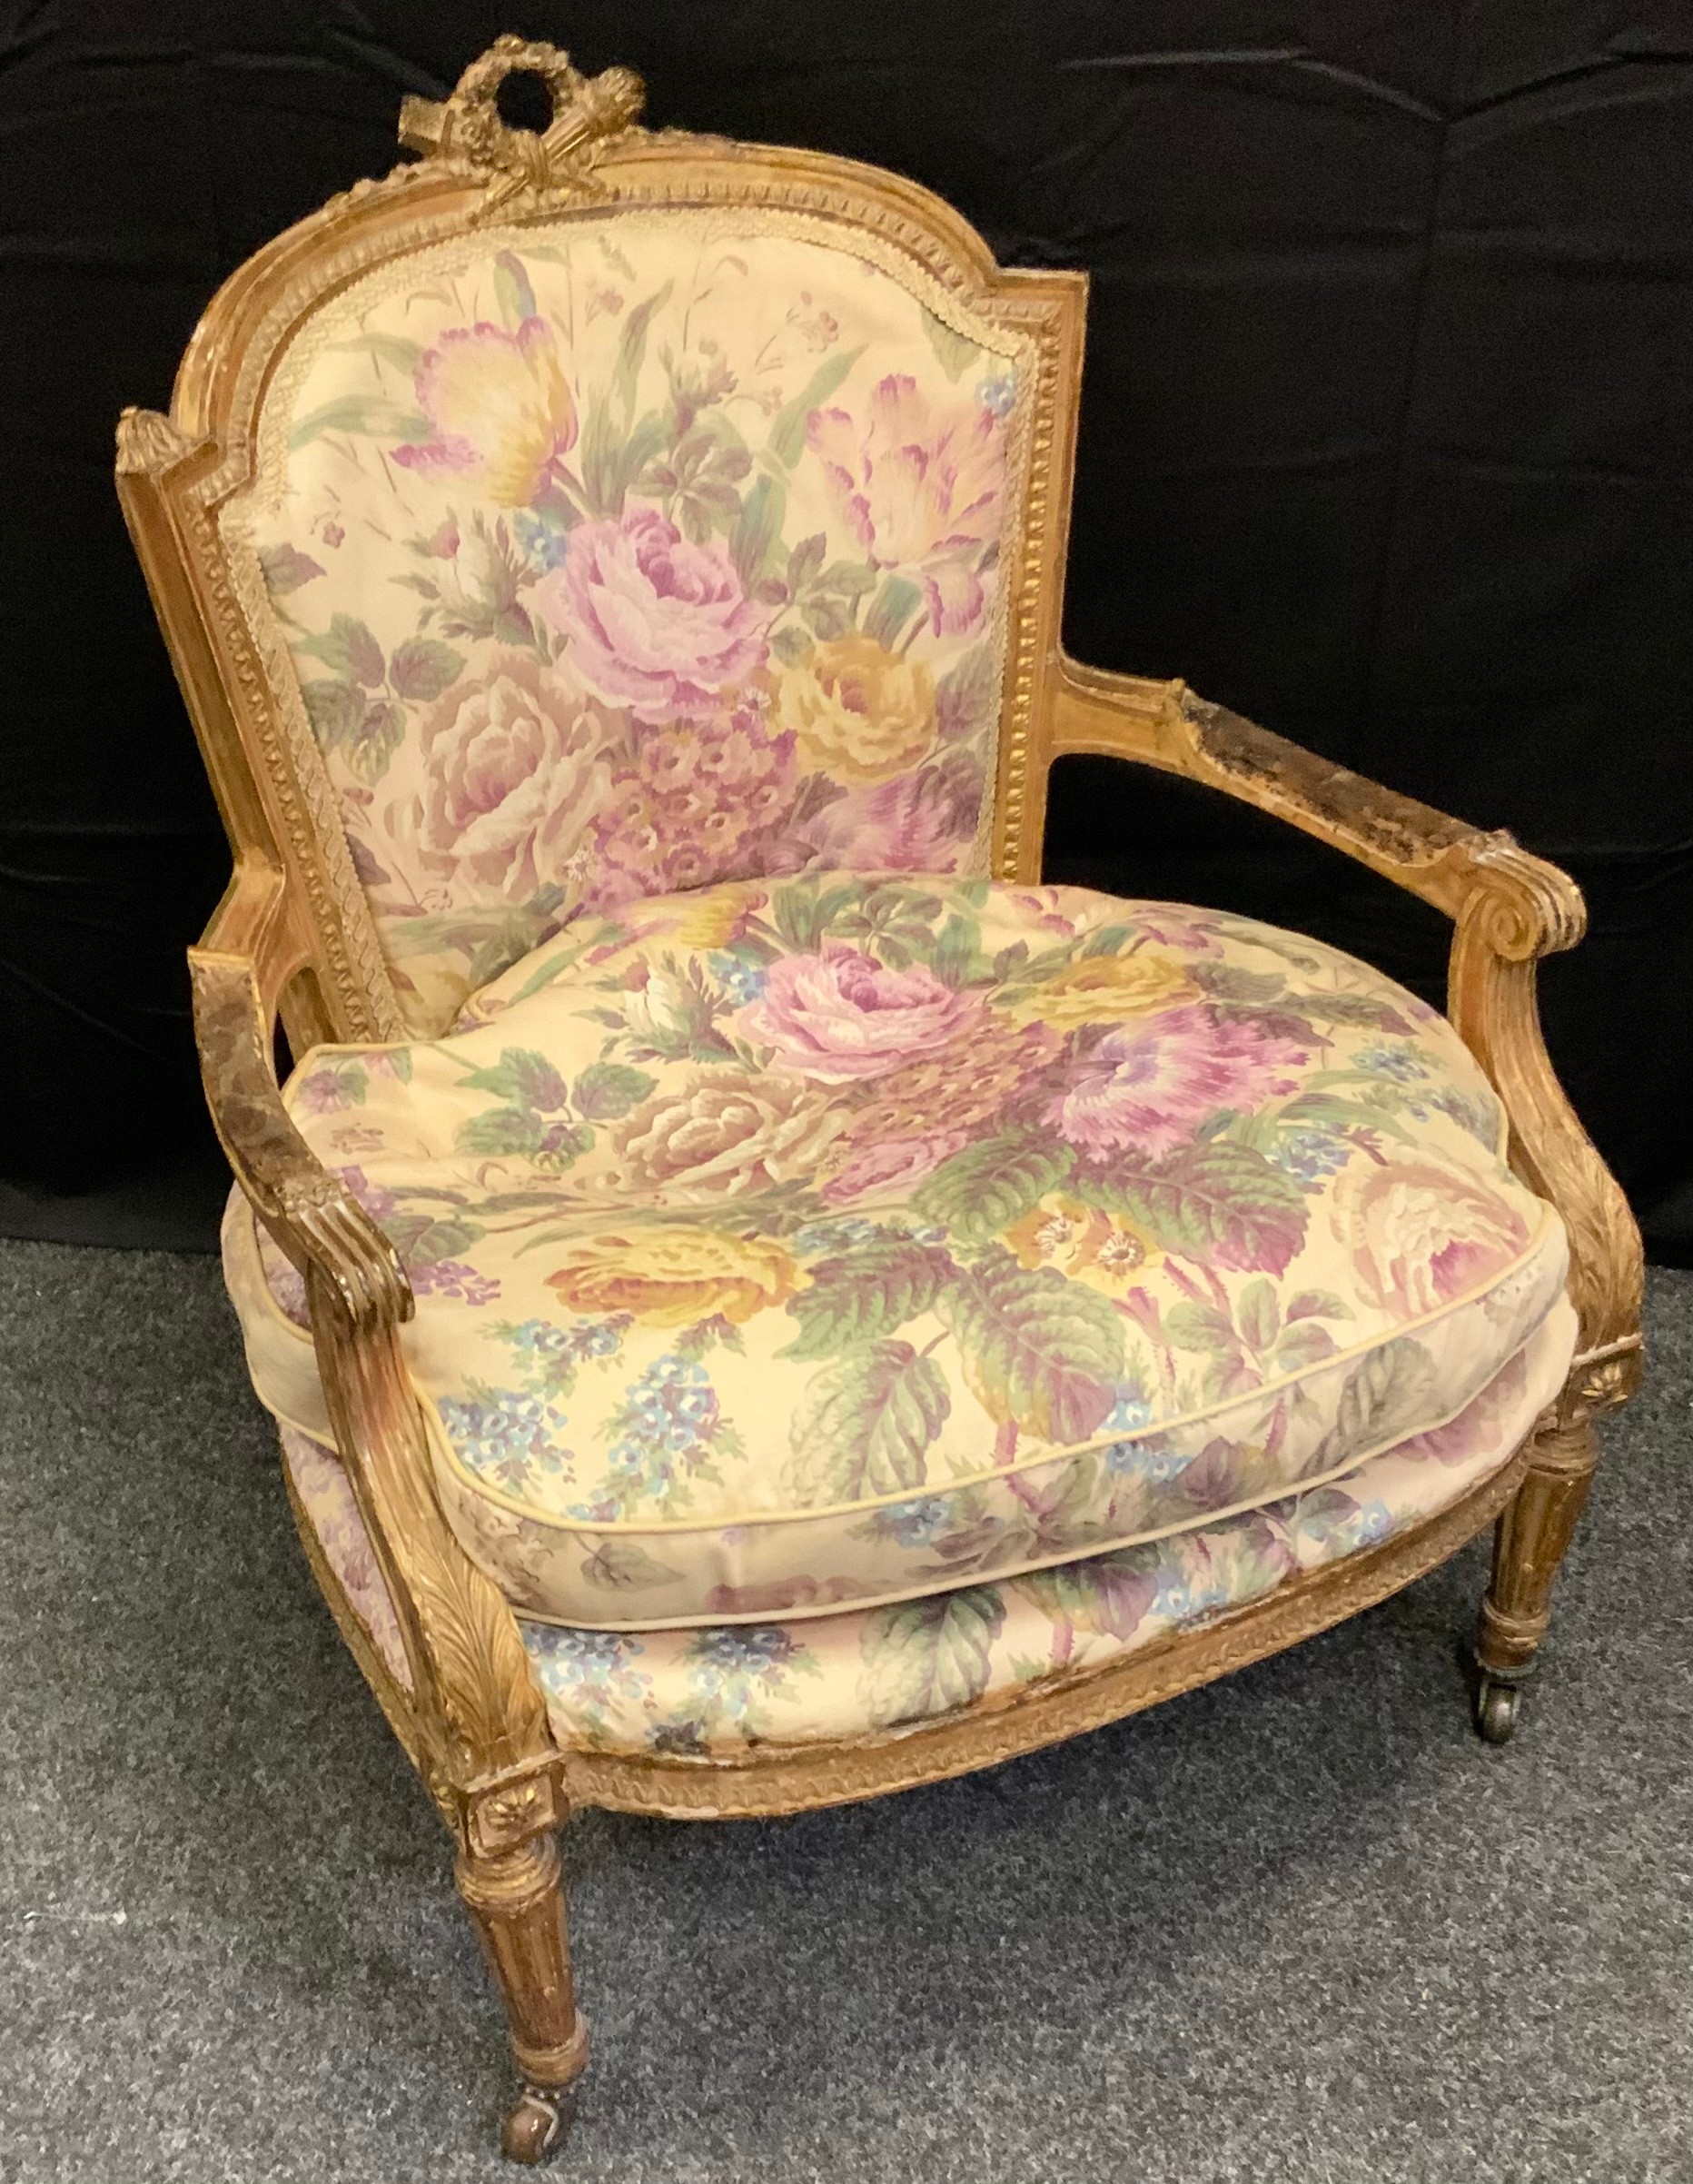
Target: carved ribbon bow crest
x=468 y=131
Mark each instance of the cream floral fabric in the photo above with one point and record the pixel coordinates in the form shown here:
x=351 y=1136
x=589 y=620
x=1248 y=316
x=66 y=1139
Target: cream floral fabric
x=627 y=557
x=799 y=1245
x=725 y=1689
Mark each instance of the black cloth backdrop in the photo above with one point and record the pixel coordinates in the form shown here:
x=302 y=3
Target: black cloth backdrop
x=1385 y=443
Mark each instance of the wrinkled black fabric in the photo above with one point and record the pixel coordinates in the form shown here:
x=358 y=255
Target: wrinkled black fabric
x=1385 y=443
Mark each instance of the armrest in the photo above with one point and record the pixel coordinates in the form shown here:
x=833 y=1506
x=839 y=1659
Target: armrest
x=235 y=972
x=476 y=1720
x=1535 y=908
x=1508 y=908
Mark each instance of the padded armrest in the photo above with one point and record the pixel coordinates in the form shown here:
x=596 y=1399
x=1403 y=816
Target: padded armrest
x=1531 y=908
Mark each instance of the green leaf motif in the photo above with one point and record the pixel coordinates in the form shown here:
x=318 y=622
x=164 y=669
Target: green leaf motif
x=373 y=743
x=285 y=569
x=954 y=352
x=891 y=610
x=788 y=434
x=1230 y=982
x=523 y=1077
x=862 y=1295
x=1108 y=1596
x=1304 y=1345
x=1202 y=1327
x=422 y=668
x=1039 y=1352
x=512 y=291
x=864 y=1423
x=1258 y=1312
x=1360 y=1009
x=1389 y=1393
x=371 y=415
x=632 y=347
x=334 y=710
x=758 y=528
x=501 y=1130
x=929 y=1657
x=1313 y=1304
x=1221 y=1204
x=968 y=696
x=987 y=1187
x=606 y=1090
x=403 y=355
x=447 y=1238
x=347 y=648
x=620 y=1567
x=612 y=461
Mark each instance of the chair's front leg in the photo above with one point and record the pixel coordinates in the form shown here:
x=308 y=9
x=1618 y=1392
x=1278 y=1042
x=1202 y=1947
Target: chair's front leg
x=516 y=1901
x=1528 y=1543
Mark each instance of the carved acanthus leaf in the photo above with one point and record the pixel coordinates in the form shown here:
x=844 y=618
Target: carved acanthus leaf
x=148 y=442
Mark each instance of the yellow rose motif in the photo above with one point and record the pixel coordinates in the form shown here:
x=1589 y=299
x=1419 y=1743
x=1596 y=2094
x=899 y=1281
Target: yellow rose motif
x=1101 y=989
x=860 y=713
x=676 y=1276
x=1085 y=1242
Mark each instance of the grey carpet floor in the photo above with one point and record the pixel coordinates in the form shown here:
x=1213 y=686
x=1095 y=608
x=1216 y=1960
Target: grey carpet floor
x=1301 y=1926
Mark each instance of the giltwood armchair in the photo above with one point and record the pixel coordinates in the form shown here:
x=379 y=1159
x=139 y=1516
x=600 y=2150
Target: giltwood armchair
x=764 y=1302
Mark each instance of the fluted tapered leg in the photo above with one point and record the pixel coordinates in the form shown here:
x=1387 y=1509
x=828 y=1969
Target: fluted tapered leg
x=516 y=1901
x=1529 y=1543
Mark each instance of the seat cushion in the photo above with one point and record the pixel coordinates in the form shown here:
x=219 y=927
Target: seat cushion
x=725 y=1689
x=789 y=1246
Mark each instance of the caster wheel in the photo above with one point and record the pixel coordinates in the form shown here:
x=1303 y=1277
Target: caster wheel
x=1496 y=1710
x=538 y=2124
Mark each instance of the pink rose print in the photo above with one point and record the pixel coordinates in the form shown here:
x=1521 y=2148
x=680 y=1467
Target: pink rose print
x=920 y=487
x=654 y=621
x=499 y=407
x=841 y=1015
x=1420 y=1236
x=1152 y=1084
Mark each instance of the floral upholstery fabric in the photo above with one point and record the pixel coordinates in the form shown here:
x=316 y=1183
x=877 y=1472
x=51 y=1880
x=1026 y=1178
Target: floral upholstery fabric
x=789 y=1246
x=722 y=1690
x=619 y=559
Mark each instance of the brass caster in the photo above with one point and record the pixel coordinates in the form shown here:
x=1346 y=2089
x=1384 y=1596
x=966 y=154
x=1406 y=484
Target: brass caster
x=538 y=2124
x=1496 y=1710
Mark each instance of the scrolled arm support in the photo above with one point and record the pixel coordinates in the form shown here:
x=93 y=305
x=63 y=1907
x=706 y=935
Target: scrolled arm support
x=1508 y=908
x=310 y=1212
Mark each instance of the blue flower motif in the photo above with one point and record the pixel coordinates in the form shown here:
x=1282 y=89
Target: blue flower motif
x=583 y=1657
x=1402 y=1063
x=1309 y=1156
x=741 y=1649
x=544 y=541
x=916 y=1524
x=742 y=981
x=504 y=1431
x=1130 y=1410
x=998 y=393
x=818 y=1238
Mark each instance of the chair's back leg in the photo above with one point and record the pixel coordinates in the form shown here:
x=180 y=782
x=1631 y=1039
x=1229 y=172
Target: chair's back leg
x=516 y=1901
x=1533 y=1531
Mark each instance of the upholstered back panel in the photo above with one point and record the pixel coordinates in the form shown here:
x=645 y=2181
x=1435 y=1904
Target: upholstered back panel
x=632 y=553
